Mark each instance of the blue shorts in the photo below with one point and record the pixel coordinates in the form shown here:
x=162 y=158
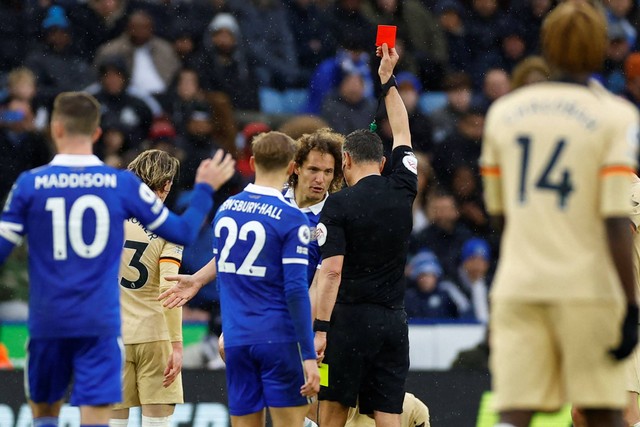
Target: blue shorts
x=94 y=364
x=264 y=375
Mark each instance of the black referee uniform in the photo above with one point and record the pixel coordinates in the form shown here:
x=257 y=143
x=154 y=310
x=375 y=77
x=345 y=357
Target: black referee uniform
x=367 y=344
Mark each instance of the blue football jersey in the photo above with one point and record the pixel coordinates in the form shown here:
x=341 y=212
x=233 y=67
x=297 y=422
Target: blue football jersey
x=313 y=215
x=261 y=243
x=72 y=211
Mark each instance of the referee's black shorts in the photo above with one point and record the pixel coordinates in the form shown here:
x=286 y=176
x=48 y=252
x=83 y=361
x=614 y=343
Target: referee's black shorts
x=368 y=357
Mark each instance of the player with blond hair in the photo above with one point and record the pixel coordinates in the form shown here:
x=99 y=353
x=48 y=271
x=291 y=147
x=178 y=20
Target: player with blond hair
x=152 y=334
x=556 y=159
x=73 y=212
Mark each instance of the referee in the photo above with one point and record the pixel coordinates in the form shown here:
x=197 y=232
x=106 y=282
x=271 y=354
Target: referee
x=361 y=327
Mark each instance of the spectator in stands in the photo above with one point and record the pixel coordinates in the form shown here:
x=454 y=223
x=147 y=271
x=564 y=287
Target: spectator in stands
x=151 y=61
x=466 y=188
x=451 y=15
x=472 y=277
x=15 y=34
x=532 y=69
x=347 y=20
x=495 y=83
x=183 y=37
x=612 y=76
x=56 y=66
x=632 y=78
x=351 y=57
x=199 y=143
x=313 y=42
x=444 y=235
x=416 y=25
x=95 y=22
x=244 y=147
x=513 y=45
x=271 y=49
x=410 y=90
x=23 y=147
x=223 y=66
x=113 y=144
x=347 y=108
x=529 y=17
x=428 y=296
x=445 y=120
x=22 y=87
x=485 y=23
x=297 y=126
x=462 y=148
x=182 y=97
x=130 y=112
x=617 y=12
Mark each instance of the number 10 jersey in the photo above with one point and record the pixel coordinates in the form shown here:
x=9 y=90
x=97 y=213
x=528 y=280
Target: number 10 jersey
x=73 y=212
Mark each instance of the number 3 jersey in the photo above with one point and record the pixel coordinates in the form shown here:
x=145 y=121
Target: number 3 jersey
x=556 y=161
x=146 y=259
x=73 y=212
x=260 y=243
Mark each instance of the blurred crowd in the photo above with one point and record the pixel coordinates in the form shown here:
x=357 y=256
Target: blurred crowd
x=190 y=76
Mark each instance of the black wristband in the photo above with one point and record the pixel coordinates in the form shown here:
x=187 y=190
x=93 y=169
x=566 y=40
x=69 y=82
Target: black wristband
x=321 y=325
x=388 y=85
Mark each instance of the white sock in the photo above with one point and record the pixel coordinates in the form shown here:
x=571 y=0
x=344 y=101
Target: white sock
x=309 y=423
x=118 y=422
x=156 y=421
x=504 y=425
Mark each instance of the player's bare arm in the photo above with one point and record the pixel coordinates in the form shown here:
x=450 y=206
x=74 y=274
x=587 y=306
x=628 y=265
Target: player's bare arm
x=620 y=246
x=396 y=111
x=330 y=275
x=187 y=285
x=311 y=386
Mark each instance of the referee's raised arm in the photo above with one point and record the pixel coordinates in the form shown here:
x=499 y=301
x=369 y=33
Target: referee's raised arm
x=396 y=111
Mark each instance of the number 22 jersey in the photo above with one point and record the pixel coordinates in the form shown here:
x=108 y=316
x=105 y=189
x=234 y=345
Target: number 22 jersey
x=261 y=247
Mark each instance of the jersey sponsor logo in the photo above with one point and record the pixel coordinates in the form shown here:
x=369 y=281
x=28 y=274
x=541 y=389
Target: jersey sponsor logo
x=410 y=162
x=304 y=234
x=321 y=233
x=76 y=180
x=302 y=250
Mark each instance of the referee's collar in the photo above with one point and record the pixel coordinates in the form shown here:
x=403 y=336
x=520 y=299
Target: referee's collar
x=265 y=191
x=315 y=209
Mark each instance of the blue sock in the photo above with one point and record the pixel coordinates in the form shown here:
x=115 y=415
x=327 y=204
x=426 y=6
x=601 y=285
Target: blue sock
x=45 y=422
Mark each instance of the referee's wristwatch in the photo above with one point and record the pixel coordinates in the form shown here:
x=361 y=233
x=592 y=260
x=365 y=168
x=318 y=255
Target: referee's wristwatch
x=321 y=325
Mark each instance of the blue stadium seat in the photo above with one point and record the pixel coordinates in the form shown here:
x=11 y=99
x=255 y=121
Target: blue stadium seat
x=431 y=101
x=289 y=101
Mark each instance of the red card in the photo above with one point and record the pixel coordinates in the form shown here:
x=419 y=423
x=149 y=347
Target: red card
x=386 y=34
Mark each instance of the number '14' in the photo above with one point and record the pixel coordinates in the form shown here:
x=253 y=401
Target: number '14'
x=562 y=185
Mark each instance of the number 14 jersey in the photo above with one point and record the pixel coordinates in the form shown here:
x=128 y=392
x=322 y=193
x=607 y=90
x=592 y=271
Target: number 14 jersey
x=556 y=162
